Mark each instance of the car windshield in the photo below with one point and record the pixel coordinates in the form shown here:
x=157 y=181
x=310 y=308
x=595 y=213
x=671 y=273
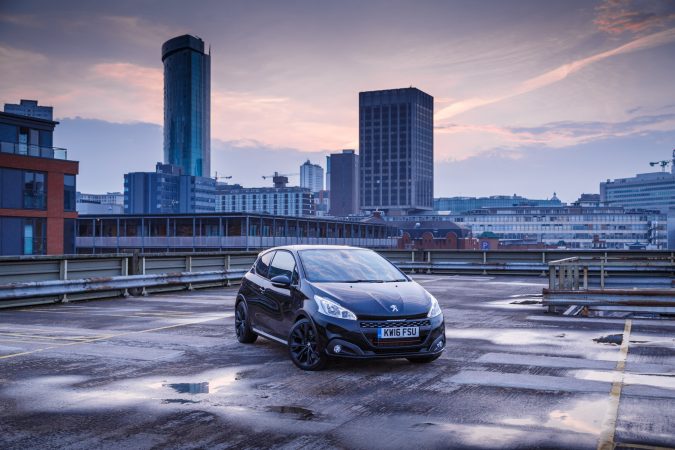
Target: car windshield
x=348 y=266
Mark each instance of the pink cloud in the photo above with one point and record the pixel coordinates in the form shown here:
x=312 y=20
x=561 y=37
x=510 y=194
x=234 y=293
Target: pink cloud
x=557 y=74
x=619 y=16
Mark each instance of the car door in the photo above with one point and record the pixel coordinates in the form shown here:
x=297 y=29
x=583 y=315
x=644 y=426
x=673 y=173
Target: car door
x=258 y=304
x=281 y=314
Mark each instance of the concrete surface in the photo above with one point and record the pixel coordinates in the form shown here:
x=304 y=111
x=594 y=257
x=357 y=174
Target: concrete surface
x=166 y=371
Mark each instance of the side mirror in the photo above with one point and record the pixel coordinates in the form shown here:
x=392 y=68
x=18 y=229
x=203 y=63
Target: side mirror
x=281 y=281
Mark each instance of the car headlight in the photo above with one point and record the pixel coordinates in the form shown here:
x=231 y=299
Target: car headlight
x=332 y=309
x=435 y=308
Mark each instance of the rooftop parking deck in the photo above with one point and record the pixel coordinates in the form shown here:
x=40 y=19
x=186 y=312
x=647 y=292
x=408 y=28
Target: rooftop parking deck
x=166 y=371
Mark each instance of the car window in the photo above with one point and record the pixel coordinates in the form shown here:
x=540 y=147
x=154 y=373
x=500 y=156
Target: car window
x=283 y=264
x=348 y=266
x=263 y=264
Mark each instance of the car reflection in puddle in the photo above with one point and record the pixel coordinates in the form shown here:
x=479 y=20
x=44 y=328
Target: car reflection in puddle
x=190 y=388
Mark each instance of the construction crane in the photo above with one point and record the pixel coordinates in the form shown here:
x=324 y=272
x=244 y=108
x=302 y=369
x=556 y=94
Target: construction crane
x=224 y=178
x=663 y=164
x=280 y=180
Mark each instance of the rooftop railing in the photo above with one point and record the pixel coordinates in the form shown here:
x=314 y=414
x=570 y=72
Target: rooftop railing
x=33 y=150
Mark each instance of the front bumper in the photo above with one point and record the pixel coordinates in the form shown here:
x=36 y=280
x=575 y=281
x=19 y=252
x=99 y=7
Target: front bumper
x=358 y=338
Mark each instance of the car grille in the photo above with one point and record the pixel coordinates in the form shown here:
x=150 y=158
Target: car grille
x=395 y=324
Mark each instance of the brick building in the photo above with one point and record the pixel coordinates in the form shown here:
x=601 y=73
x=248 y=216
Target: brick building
x=37 y=189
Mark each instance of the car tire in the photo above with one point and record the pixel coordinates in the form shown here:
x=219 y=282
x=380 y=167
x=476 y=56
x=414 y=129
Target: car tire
x=242 y=324
x=303 y=346
x=423 y=359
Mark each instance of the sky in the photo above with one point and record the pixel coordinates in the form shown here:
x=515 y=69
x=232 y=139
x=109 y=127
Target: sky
x=530 y=97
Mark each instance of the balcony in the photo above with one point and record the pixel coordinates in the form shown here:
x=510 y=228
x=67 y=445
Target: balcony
x=33 y=150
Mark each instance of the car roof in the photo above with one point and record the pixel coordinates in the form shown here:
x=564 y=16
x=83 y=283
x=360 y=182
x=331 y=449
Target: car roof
x=317 y=247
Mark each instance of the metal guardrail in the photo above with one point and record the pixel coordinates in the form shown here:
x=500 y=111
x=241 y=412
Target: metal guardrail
x=108 y=275
x=616 y=287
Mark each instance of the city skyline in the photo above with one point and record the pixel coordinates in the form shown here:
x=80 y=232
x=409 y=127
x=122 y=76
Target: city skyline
x=570 y=93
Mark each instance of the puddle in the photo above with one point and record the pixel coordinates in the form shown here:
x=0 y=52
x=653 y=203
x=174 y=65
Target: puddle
x=613 y=339
x=583 y=416
x=298 y=412
x=180 y=401
x=526 y=302
x=190 y=388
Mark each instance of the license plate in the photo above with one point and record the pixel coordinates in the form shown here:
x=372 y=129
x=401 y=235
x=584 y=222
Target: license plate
x=398 y=332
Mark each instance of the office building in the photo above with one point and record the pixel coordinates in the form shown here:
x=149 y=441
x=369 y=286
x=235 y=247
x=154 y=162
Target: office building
x=396 y=144
x=654 y=190
x=311 y=176
x=342 y=176
x=168 y=191
x=187 y=105
x=37 y=189
x=321 y=203
x=574 y=227
x=30 y=108
x=108 y=203
x=458 y=205
x=282 y=200
x=222 y=231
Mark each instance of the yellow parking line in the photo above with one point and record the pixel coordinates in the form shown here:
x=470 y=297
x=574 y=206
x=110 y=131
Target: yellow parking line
x=643 y=447
x=606 y=441
x=110 y=336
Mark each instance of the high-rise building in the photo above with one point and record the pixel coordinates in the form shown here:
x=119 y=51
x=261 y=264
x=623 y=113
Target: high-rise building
x=343 y=182
x=30 y=108
x=311 y=176
x=37 y=189
x=168 y=191
x=654 y=190
x=187 y=105
x=396 y=143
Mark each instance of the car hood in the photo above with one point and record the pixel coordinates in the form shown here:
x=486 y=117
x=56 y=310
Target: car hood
x=379 y=300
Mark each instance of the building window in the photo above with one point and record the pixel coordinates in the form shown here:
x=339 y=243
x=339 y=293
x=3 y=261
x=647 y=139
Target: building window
x=34 y=190
x=34 y=237
x=69 y=192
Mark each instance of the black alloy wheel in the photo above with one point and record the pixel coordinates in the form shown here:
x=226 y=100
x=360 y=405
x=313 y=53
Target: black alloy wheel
x=303 y=346
x=242 y=324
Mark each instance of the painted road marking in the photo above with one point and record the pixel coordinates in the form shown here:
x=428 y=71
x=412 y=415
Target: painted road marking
x=111 y=336
x=642 y=447
x=606 y=441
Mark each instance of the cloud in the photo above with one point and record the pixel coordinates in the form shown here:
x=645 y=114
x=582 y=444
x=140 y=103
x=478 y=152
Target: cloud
x=557 y=74
x=620 y=16
x=553 y=135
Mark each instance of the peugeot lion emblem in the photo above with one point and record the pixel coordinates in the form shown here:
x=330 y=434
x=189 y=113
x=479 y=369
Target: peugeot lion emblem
x=394 y=308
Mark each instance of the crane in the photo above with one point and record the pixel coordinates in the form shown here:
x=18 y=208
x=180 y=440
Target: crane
x=280 y=180
x=224 y=178
x=664 y=163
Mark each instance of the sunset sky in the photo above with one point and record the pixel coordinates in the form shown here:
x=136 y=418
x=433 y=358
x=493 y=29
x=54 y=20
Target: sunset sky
x=531 y=97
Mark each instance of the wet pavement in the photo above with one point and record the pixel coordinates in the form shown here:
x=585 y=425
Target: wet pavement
x=166 y=371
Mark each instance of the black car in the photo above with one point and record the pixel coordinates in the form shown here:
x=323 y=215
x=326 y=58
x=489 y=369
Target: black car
x=334 y=301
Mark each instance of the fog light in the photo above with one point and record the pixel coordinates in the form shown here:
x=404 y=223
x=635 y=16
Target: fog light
x=337 y=348
x=439 y=344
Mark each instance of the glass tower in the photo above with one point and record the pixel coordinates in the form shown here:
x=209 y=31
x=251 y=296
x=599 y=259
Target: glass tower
x=396 y=141
x=187 y=105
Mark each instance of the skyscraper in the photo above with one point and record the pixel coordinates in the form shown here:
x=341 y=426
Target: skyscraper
x=311 y=176
x=187 y=105
x=396 y=150
x=343 y=183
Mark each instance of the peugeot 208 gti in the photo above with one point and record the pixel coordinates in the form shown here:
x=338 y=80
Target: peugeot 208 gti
x=335 y=301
